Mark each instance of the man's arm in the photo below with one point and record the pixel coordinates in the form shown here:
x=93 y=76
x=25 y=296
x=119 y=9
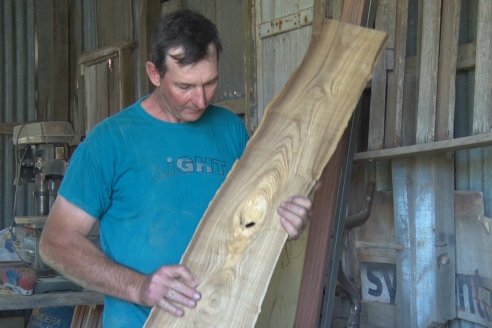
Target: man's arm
x=66 y=248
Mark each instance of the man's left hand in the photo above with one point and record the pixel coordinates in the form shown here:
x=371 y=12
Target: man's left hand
x=294 y=215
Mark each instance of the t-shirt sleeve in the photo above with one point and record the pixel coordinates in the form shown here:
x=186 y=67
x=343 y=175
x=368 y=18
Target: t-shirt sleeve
x=87 y=182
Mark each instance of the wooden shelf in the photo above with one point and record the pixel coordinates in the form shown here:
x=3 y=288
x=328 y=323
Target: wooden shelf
x=19 y=302
x=473 y=141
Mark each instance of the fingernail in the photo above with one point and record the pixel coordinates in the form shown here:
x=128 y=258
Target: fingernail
x=197 y=296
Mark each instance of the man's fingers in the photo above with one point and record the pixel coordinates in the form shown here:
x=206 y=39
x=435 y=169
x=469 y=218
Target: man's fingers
x=166 y=305
x=299 y=202
x=181 y=273
x=177 y=297
x=294 y=215
x=183 y=283
x=292 y=231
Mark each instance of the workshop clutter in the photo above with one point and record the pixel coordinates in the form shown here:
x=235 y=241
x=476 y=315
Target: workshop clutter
x=21 y=279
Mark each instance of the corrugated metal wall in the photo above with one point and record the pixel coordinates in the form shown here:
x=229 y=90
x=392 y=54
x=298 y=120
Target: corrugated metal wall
x=17 y=94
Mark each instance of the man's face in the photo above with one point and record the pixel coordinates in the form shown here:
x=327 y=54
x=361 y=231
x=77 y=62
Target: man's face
x=186 y=91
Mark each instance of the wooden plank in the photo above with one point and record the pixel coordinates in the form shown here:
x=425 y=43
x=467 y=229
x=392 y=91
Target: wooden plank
x=299 y=134
x=466 y=56
x=448 y=56
x=385 y=17
x=318 y=248
x=408 y=107
x=60 y=56
x=451 y=145
x=481 y=167
x=114 y=21
x=386 y=21
x=482 y=109
x=146 y=17
x=286 y=23
x=473 y=263
x=51 y=24
x=231 y=64
x=394 y=106
x=250 y=84
x=76 y=104
x=428 y=56
x=258 y=46
x=354 y=11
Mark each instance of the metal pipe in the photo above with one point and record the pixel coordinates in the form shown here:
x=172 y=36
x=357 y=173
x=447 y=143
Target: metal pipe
x=353 y=320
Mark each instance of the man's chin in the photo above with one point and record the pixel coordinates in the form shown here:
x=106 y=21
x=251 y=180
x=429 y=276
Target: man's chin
x=192 y=116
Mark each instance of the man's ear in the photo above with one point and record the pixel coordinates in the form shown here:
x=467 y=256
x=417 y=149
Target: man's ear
x=153 y=73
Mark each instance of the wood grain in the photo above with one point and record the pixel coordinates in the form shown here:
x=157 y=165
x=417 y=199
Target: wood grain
x=239 y=240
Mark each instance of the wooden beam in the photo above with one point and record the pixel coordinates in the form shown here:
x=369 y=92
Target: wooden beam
x=239 y=239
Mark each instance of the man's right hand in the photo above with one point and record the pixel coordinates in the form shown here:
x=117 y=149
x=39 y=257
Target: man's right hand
x=169 y=287
x=65 y=247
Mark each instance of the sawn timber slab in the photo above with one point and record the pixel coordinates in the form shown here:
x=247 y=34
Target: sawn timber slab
x=238 y=242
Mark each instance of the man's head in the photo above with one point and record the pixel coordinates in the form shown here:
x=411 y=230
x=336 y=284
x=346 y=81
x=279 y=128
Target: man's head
x=183 y=66
x=187 y=31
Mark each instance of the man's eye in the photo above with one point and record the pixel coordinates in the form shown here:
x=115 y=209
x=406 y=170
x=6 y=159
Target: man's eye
x=183 y=87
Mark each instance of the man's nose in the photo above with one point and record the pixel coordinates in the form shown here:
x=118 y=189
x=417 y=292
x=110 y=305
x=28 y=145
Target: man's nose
x=199 y=97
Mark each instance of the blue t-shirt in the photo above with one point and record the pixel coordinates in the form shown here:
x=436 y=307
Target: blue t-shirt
x=149 y=182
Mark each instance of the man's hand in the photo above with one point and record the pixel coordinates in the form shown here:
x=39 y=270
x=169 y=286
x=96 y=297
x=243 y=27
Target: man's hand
x=169 y=287
x=294 y=215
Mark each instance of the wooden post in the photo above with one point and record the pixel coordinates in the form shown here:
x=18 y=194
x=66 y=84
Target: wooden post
x=423 y=189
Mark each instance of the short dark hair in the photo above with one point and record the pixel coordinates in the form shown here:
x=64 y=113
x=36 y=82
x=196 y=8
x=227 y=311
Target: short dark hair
x=187 y=29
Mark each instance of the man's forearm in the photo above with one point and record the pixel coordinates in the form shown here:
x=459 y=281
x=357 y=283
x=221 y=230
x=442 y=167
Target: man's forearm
x=77 y=258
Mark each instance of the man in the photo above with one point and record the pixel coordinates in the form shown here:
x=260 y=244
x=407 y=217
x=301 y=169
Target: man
x=147 y=175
